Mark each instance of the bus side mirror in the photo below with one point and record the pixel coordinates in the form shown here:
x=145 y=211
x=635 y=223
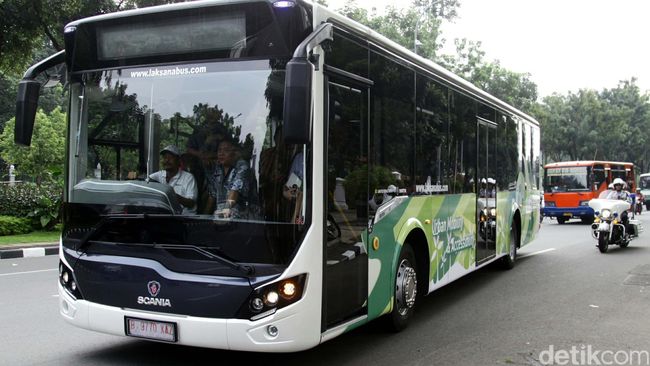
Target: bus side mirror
x=297 y=101
x=26 y=105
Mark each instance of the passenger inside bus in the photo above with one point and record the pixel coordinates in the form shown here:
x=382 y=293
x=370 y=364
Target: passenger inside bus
x=204 y=141
x=231 y=194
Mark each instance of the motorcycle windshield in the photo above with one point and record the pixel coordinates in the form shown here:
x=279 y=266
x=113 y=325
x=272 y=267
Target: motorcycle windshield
x=606 y=194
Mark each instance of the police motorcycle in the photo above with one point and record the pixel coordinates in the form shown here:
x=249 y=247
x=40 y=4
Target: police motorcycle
x=608 y=226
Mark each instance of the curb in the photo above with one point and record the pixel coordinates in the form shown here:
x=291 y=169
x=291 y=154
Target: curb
x=29 y=252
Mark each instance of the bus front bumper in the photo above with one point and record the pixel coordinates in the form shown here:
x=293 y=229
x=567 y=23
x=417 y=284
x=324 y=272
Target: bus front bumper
x=569 y=212
x=296 y=328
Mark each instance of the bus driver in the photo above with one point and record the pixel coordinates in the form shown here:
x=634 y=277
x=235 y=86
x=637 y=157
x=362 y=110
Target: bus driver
x=181 y=181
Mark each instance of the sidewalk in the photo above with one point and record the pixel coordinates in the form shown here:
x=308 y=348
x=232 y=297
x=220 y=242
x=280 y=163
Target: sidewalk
x=28 y=250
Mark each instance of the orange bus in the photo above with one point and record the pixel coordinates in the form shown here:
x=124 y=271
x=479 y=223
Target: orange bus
x=569 y=185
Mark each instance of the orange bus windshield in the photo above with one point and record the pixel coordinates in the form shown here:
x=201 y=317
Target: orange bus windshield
x=567 y=179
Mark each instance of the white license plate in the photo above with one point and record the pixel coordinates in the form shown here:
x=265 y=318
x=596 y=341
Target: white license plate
x=161 y=331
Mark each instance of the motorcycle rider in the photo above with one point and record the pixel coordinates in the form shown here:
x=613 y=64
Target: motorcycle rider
x=619 y=193
x=639 y=198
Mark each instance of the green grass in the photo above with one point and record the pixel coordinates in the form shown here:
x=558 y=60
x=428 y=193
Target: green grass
x=33 y=237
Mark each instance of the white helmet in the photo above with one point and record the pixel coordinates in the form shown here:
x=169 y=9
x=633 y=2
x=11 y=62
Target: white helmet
x=619 y=181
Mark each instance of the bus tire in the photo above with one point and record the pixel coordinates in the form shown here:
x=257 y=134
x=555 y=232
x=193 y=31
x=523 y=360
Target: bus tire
x=561 y=220
x=508 y=262
x=405 y=290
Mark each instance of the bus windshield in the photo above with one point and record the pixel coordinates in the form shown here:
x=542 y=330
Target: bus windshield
x=566 y=179
x=197 y=142
x=644 y=182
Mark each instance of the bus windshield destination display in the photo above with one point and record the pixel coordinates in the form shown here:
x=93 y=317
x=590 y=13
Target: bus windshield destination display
x=185 y=34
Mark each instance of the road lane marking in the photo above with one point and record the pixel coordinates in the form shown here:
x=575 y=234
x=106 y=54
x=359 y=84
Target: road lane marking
x=28 y=272
x=536 y=253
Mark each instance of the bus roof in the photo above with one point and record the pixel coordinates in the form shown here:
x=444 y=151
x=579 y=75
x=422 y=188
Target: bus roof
x=158 y=9
x=584 y=163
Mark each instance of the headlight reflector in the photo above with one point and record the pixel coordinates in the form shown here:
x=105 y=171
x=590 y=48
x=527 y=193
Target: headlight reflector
x=68 y=281
x=266 y=299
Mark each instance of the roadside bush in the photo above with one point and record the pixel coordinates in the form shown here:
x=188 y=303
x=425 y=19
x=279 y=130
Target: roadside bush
x=41 y=204
x=10 y=225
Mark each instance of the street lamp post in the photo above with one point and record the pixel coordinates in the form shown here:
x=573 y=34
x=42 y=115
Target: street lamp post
x=416 y=42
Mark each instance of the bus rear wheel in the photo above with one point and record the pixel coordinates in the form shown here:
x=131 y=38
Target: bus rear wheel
x=405 y=291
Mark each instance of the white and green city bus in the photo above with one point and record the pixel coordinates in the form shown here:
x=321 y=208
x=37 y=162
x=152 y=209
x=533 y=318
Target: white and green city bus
x=366 y=176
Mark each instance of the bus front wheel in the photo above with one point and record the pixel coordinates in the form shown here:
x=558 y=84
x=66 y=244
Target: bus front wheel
x=405 y=291
x=508 y=261
x=561 y=220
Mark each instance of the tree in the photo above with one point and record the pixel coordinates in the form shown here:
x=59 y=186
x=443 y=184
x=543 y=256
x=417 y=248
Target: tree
x=46 y=154
x=7 y=98
x=613 y=124
x=469 y=62
x=400 y=24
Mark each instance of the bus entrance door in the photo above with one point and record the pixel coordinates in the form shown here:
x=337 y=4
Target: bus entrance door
x=346 y=256
x=486 y=202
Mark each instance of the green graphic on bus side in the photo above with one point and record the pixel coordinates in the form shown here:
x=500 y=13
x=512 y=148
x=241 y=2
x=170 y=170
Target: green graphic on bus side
x=448 y=223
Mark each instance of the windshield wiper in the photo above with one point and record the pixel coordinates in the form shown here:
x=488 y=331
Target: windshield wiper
x=247 y=270
x=96 y=229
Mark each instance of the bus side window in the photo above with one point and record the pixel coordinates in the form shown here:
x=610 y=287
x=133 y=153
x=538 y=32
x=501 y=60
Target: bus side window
x=599 y=176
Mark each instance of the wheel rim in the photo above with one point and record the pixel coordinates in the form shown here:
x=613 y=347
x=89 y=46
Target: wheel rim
x=513 y=245
x=405 y=287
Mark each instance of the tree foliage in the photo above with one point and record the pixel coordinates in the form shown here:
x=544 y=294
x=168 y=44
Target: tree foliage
x=45 y=156
x=613 y=124
x=512 y=87
x=423 y=17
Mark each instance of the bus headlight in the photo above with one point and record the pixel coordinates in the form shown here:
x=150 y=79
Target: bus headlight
x=549 y=203
x=271 y=298
x=584 y=203
x=67 y=280
x=267 y=299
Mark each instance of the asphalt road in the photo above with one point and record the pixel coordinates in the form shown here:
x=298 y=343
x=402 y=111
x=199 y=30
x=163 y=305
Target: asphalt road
x=562 y=294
